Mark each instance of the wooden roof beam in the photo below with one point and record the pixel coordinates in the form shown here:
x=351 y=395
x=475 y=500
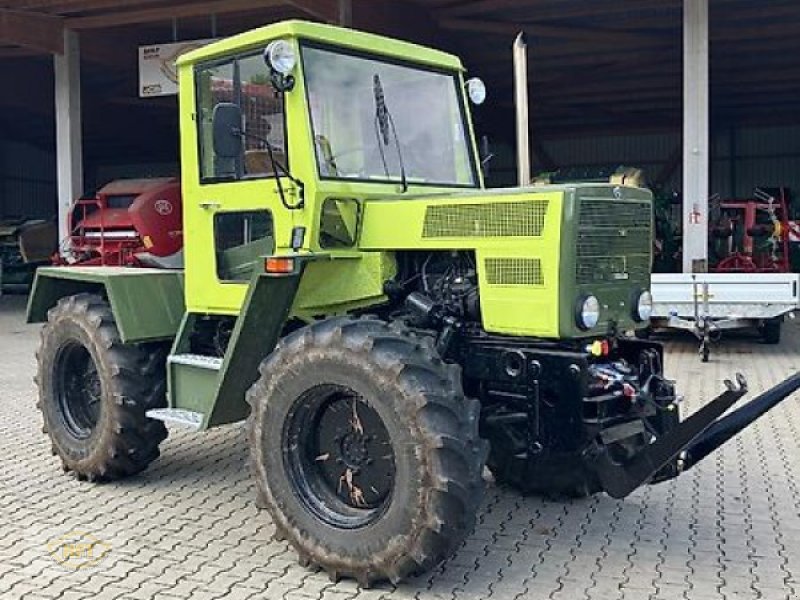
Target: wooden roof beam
x=324 y=10
x=32 y=30
x=552 y=12
x=166 y=13
x=66 y=7
x=561 y=32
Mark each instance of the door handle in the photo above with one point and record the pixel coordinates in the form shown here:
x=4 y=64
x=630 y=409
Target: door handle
x=209 y=205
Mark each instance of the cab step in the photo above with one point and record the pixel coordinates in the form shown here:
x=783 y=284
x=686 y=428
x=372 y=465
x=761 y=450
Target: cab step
x=177 y=416
x=201 y=361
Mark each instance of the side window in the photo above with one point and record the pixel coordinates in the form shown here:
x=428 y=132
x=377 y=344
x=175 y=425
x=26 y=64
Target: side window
x=214 y=85
x=240 y=240
x=262 y=110
x=243 y=81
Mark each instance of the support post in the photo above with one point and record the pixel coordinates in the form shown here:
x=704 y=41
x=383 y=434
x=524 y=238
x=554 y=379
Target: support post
x=696 y=133
x=69 y=139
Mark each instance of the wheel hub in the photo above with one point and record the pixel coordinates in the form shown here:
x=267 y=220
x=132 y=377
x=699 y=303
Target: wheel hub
x=353 y=450
x=78 y=390
x=340 y=456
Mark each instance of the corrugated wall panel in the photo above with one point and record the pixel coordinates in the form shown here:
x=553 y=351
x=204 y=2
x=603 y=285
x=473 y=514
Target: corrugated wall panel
x=633 y=150
x=765 y=157
x=27 y=181
x=649 y=152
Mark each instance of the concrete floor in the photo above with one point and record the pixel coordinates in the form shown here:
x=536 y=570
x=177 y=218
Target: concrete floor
x=188 y=527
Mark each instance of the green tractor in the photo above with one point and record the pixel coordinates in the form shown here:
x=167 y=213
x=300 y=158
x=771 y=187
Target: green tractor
x=387 y=327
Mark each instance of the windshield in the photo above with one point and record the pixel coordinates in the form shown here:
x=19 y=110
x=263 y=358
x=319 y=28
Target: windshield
x=377 y=121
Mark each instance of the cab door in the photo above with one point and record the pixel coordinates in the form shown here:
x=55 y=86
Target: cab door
x=232 y=211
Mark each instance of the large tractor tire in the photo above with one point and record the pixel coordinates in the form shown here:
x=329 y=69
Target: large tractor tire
x=94 y=391
x=364 y=449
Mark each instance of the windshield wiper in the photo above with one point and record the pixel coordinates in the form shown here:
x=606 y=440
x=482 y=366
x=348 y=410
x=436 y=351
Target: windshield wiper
x=384 y=123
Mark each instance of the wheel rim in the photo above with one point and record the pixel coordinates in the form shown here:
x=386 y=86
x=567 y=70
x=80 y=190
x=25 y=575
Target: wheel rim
x=78 y=390
x=339 y=457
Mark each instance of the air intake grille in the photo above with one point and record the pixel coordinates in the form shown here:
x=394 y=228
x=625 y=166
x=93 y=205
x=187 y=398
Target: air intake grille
x=514 y=271
x=500 y=219
x=608 y=213
x=613 y=241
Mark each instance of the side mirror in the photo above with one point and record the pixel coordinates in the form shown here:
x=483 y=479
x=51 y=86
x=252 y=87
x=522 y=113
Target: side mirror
x=226 y=126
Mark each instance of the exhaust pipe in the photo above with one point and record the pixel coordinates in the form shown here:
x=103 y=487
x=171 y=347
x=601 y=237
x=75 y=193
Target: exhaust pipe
x=521 y=103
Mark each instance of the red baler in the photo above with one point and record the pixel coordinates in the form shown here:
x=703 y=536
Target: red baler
x=130 y=222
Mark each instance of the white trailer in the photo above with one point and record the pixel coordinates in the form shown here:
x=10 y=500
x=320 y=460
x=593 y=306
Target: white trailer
x=709 y=303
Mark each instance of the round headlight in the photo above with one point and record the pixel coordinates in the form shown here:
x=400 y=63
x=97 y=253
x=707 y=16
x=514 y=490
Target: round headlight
x=644 y=307
x=280 y=56
x=588 y=314
x=476 y=90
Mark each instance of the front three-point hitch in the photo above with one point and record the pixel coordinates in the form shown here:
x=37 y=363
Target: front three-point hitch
x=690 y=441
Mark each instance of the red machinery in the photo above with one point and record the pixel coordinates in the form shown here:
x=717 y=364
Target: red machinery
x=130 y=222
x=754 y=234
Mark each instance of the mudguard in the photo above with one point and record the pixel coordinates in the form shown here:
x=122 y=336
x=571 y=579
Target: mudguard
x=148 y=304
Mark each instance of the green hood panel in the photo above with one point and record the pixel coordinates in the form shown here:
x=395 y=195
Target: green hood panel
x=538 y=249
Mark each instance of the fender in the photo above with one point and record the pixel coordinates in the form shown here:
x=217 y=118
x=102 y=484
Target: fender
x=148 y=304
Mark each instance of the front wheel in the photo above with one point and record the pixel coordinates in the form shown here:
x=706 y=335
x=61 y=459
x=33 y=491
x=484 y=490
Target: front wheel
x=364 y=449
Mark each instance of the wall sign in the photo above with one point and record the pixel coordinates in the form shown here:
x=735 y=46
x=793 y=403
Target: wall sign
x=158 y=75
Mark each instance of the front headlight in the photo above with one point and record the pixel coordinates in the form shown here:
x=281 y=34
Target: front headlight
x=476 y=90
x=280 y=57
x=587 y=314
x=643 y=309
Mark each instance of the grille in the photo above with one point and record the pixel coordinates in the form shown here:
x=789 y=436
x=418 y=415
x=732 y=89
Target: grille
x=613 y=241
x=514 y=271
x=608 y=213
x=500 y=219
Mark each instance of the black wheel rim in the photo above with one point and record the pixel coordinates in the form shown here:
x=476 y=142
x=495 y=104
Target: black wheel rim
x=77 y=388
x=339 y=457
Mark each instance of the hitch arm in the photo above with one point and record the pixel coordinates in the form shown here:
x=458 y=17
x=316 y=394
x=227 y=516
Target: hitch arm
x=728 y=426
x=619 y=480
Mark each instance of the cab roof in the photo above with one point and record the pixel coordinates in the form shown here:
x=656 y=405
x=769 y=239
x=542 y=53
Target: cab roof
x=326 y=34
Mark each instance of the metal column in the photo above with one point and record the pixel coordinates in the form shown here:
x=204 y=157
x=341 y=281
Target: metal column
x=345 y=13
x=696 y=127
x=69 y=139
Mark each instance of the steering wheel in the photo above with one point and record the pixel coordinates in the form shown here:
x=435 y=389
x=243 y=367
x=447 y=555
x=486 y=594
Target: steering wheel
x=330 y=158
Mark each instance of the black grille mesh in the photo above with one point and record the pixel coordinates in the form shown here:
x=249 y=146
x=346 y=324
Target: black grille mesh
x=514 y=271
x=613 y=240
x=498 y=219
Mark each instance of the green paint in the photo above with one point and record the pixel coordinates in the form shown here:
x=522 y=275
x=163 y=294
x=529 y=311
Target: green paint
x=147 y=303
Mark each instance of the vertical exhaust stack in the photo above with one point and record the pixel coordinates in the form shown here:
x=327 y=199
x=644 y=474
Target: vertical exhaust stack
x=521 y=103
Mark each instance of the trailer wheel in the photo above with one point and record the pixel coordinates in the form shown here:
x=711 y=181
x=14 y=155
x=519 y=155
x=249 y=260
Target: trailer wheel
x=364 y=450
x=771 y=331
x=94 y=391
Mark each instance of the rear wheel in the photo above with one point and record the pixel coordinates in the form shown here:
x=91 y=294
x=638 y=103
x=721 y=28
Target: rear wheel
x=94 y=391
x=771 y=331
x=364 y=449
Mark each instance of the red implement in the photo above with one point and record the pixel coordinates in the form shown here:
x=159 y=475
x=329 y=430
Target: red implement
x=130 y=222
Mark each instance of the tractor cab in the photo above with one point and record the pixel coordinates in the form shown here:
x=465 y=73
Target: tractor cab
x=287 y=134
